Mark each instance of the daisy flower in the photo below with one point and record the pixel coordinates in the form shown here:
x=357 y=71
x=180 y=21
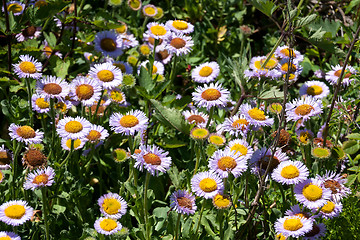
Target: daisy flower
x=107 y=75
x=147 y=37
x=6 y=158
x=255 y=116
x=39 y=104
x=129 y=41
x=78 y=143
x=236 y=125
x=285 y=52
x=315 y=89
x=9 y=236
x=199 y=133
x=317 y=232
x=179 y=44
x=194 y=116
x=153 y=159
x=330 y=210
x=206 y=184
x=15 y=212
x=125 y=67
x=205 y=72
x=224 y=161
x=129 y=123
x=158 y=67
x=303 y=109
x=145 y=49
x=241 y=147
x=134 y=4
x=48 y=51
x=261 y=158
x=319 y=74
x=293 y=226
x=25 y=134
x=16 y=7
x=311 y=193
x=212 y=95
x=149 y=10
x=52 y=87
x=180 y=26
x=158 y=30
x=273 y=73
x=39 y=178
x=333 y=75
x=107 y=226
x=112 y=205
x=217 y=139
x=336 y=184
x=34 y=158
x=85 y=90
x=298 y=211
x=97 y=133
x=73 y=128
x=221 y=201
x=183 y=202
x=108 y=43
x=294 y=68
x=304 y=135
x=28 y=67
x=257 y=62
x=117 y=96
x=30 y=32
x=290 y=172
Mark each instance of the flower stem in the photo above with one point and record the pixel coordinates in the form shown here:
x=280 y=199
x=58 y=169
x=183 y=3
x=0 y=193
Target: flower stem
x=70 y=153
x=15 y=163
x=210 y=116
x=172 y=73
x=53 y=130
x=147 y=230
x=201 y=213
x=28 y=86
x=46 y=212
x=177 y=227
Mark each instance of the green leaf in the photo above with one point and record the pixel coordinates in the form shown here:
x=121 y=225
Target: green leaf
x=57 y=209
x=351 y=179
x=12 y=22
x=354 y=169
x=146 y=80
x=271 y=93
x=172 y=143
x=305 y=20
x=264 y=6
x=318 y=34
x=61 y=69
x=172 y=116
x=351 y=147
x=352 y=4
x=51 y=39
x=355 y=136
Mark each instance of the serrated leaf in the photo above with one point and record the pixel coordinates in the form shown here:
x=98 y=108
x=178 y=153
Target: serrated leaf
x=172 y=116
x=305 y=20
x=318 y=34
x=271 y=93
x=61 y=69
x=50 y=39
x=355 y=136
x=265 y=6
x=351 y=147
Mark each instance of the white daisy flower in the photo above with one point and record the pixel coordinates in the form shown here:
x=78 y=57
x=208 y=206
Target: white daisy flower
x=261 y=158
x=205 y=72
x=206 y=184
x=195 y=116
x=129 y=123
x=255 y=116
x=258 y=61
x=78 y=143
x=236 y=125
x=333 y=75
x=158 y=67
x=117 y=96
x=180 y=26
x=179 y=44
x=183 y=202
x=295 y=68
x=316 y=89
x=107 y=226
x=336 y=184
x=9 y=236
x=39 y=178
x=149 y=10
x=107 y=75
x=85 y=90
x=317 y=232
x=15 y=212
x=293 y=226
x=6 y=157
x=329 y=210
x=15 y=7
x=311 y=193
x=108 y=43
x=112 y=205
x=30 y=32
x=290 y=172
x=241 y=147
x=52 y=87
x=129 y=41
x=25 y=134
x=158 y=30
x=298 y=211
x=73 y=128
x=303 y=108
x=28 y=67
x=39 y=104
x=225 y=161
x=212 y=95
x=97 y=133
x=162 y=54
x=285 y=52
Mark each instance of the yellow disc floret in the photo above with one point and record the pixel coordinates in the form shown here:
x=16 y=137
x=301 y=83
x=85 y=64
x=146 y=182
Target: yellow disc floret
x=41 y=103
x=42 y=178
x=226 y=163
x=105 y=75
x=312 y=192
x=180 y=25
x=73 y=126
x=27 y=67
x=129 y=121
x=205 y=71
x=314 y=90
x=293 y=224
x=328 y=207
x=26 y=132
x=239 y=148
x=151 y=158
x=257 y=114
x=211 y=94
x=108 y=44
x=303 y=109
x=108 y=224
x=290 y=172
x=158 y=30
x=111 y=206
x=15 y=211
x=208 y=185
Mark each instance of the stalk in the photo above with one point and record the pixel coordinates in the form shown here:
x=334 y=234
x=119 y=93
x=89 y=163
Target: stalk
x=15 y=163
x=177 y=227
x=46 y=212
x=173 y=67
x=201 y=213
x=27 y=81
x=210 y=116
x=147 y=230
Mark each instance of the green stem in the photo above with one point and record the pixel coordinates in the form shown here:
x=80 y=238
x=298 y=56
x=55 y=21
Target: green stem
x=197 y=159
x=98 y=105
x=210 y=117
x=341 y=123
x=46 y=212
x=201 y=213
x=28 y=86
x=177 y=227
x=15 y=163
x=172 y=73
x=68 y=156
x=221 y=213
x=307 y=152
x=146 y=220
x=53 y=127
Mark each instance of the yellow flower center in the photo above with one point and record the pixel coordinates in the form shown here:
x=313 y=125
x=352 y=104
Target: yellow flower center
x=200 y=133
x=304 y=109
x=208 y=185
x=211 y=94
x=145 y=50
x=328 y=207
x=129 y=121
x=26 y=132
x=52 y=88
x=293 y=224
x=314 y=90
x=41 y=103
x=205 y=71
x=93 y=135
x=160 y=13
x=240 y=123
x=285 y=67
x=149 y=11
x=158 y=30
x=15 y=211
x=221 y=201
x=61 y=106
x=27 y=67
x=42 y=178
x=180 y=25
x=84 y=91
x=135 y=4
x=196 y=118
x=121 y=29
x=132 y=60
x=257 y=114
x=217 y=140
x=120 y=154
x=239 y=148
x=152 y=159
x=105 y=75
x=108 y=44
x=111 y=206
x=14 y=8
x=269 y=65
x=304 y=137
x=1 y=178
x=280 y=236
x=178 y=43
x=77 y=143
x=347 y=73
x=227 y=163
x=73 y=126
x=290 y=172
x=108 y=224
x=287 y=51
x=117 y=96
x=154 y=69
x=47 y=51
x=312 y=192
x=152 y=40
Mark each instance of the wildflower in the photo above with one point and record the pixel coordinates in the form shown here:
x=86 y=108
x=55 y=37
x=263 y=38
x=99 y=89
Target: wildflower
x=48 y=51
x=107 y=75
x=206 y=184
x=158 y=67
x=97 y=133
x=311 y=193
x=212 y=95
x=298 y=211
x=149 y=10
x=120 y=155
x=6 y=158
x=86 y=90
x=16 y=7
x=108 y=43
x=145 y=49
x=304 y=136
x=128 y=41
x=225 y=161
x=78 y=143
x=179 y=44
x=39 y=104
x=199 y=133
x=180 y=26
x=29 y=32
x=129 y=123
x=290 y=172
x=112 y=205
x=157 y=30
x=330 y=210
x=285 y=52
x=117 y=96
x=25 y=134
x=107 y=226
x=39 y=178
x=34 y=158
x=336 y=184
x=217 y=139
x=315 y=89
x=162 y=54
x=15 y=213
x=1 y=176
x=241 y=147
x=205 y=72
x=52 y=87
x=261 y=159
x=275 y=108
x=236 y=125
x=255 y=116
x=196 y=117
x=320 y=152
x=293 y=226
x=134 y=4
x=183 y=202
x=318 y=230
x=9 y=236
x=221 y=201
x=333 y=75
x=28 y=67
x=160 y=13
x=303 y=109
x=129 y=81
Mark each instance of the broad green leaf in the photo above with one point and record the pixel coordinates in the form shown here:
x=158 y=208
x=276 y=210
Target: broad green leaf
x=271 y=93
x=355 y=136
x=305 y=20
x=318 y=34
x=265 y=6
x=57 y=209
x=61 y=69
x=351 y=147
x=51 y=39
x=352 y=4
x=351 y=179
x=146 y=80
